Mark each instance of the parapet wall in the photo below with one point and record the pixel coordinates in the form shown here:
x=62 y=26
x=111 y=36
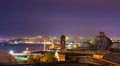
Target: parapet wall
x=91 y=60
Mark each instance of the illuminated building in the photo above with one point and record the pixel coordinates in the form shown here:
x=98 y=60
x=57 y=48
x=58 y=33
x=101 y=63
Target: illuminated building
x=59 y=56
x=53 y=46
x=98 y=56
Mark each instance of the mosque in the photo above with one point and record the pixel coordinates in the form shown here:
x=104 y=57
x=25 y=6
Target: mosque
x=98 y=42
x=101 y=42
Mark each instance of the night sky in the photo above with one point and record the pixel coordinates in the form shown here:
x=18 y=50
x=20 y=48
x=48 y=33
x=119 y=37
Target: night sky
x=57 y=17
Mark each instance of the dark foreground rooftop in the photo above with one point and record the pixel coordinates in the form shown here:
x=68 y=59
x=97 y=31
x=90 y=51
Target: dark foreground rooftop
x=53 y=64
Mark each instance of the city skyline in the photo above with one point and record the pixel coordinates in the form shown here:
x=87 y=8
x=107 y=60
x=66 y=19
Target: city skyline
x=51 y=17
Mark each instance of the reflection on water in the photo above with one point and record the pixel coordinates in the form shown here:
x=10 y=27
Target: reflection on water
x=18 y=48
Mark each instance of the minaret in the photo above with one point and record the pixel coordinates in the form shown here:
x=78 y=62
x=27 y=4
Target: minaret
x=62 y=42
x=44 y=43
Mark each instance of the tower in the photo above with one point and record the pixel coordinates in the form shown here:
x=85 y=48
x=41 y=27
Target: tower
x=62 y=42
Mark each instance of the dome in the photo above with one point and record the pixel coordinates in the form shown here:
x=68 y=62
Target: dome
x=6 y=58
x=101 y=41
